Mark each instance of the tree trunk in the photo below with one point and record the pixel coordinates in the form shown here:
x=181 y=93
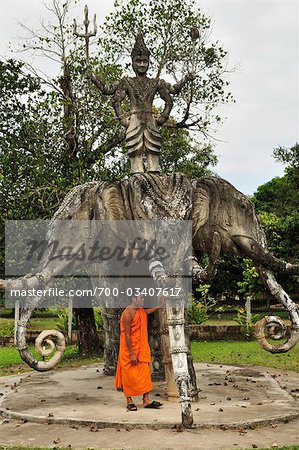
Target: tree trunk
x=88 y=338
x=69 y=113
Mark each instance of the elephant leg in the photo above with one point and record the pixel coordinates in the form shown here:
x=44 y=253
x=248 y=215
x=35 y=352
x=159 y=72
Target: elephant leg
x=111 y=348
x=158 y=368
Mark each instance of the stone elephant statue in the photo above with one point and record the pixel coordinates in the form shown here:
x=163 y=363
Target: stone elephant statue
x=219 y=207
x=223 y=220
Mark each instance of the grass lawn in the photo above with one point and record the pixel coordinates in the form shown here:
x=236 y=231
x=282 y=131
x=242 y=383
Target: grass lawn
x=242 y=353
x=7 y=325
x=11 y=362
x=239 y=353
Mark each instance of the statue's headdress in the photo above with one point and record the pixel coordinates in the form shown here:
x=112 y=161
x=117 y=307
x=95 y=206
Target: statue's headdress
x=140 y=49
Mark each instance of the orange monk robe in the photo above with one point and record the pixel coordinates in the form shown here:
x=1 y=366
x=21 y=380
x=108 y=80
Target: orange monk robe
x=134 y=379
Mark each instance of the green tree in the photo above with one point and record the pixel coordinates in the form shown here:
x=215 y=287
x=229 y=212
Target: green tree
x=63 y=132
x=277 y=204
x=289 y=156
x=182 y=153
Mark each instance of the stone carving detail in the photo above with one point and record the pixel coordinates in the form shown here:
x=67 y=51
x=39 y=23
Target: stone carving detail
x=177 y=335
x=176 y=350
x=142 y=135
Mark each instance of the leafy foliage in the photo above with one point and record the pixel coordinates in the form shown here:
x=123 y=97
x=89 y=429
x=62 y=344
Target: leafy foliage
x=181 y=153
x=277 y=204
x=289 y=156
x=229 y=273
x=251 y=284
x=247 y=325
x=63 y=320
x=203 y=305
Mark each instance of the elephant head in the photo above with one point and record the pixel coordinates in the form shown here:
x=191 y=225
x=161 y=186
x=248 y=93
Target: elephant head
x=219 y=208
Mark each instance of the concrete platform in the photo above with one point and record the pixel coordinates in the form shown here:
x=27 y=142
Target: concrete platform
x=231 y=398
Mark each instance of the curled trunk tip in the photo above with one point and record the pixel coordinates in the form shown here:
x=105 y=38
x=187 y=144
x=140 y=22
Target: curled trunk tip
x=46 y=343
x=272 y=327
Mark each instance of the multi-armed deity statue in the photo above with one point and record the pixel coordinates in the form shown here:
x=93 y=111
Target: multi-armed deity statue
x=223 y=220
x=143 y=138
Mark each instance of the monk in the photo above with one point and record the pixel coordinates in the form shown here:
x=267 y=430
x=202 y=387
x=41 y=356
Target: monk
x=133 y=374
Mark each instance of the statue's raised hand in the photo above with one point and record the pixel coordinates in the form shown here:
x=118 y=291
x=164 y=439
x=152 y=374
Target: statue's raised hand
x=191 y=76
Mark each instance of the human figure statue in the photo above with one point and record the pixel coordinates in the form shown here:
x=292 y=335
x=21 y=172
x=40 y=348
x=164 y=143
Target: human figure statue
x=143 y=138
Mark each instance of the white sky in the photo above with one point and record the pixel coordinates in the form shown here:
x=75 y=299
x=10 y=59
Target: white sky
x=262 y=37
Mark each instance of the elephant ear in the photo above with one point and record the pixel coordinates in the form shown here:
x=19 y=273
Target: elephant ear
x=200 y=209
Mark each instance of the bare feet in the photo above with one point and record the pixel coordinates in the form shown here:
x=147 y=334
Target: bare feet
x=146 y=400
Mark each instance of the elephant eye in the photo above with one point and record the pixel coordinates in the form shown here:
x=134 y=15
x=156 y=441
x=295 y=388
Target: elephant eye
x=243 y=206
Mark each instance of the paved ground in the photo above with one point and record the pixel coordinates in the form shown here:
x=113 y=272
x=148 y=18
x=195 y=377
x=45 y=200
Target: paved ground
x=233 y=400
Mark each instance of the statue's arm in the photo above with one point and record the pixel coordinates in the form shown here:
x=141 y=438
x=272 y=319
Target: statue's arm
x=176 y=88
x=119 y=96
x=165 y=95
x=106 y=89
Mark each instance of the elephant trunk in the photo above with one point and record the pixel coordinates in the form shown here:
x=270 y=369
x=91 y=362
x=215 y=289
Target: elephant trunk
x=273 y=327
x=44 y=346
x=254 y=250
x=48 y=342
